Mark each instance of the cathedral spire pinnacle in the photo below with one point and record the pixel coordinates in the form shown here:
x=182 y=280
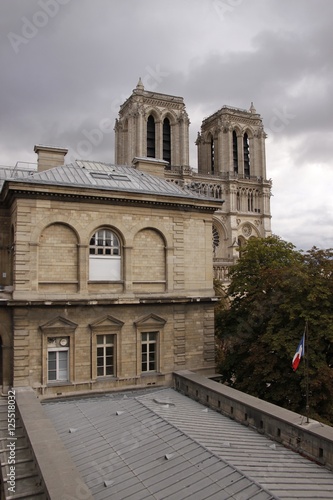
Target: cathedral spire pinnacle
x=140 y=85
x=252 y=109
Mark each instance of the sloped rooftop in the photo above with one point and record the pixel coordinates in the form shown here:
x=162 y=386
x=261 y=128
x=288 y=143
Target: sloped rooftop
x=99 y=175
x=158 y=444
x=10 y=173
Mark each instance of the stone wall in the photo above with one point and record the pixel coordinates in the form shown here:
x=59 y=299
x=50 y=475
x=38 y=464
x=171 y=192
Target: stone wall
x=158 y=250
x=185 y=340
x=312 y=439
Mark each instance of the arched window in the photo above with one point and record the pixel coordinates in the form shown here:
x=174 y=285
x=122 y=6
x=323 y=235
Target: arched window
x=212 y=155
x=235 y=152
x=104 y=256
x=151 y=137
x=166 y=140
x=246 y=145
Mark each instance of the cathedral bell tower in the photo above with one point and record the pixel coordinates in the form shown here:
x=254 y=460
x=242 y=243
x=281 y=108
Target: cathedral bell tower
x=231 y=149
x=152 y=125
x=232 y=141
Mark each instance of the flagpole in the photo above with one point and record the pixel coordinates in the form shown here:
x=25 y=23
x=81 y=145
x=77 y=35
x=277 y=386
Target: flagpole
x=306 y=343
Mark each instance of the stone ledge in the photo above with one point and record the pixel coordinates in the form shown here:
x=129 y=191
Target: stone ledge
x=60 y=476
x=313 y=440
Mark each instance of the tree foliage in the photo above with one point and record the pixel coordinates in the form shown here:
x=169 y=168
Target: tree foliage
x=274 y=291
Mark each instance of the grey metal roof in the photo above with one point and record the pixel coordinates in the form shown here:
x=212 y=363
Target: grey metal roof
x=162 y=444
x=125 y=450
x=14 y=173
x=105 y=176
x=284 y=473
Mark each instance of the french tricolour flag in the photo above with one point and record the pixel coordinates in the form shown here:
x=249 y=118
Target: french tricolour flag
x=298 y=354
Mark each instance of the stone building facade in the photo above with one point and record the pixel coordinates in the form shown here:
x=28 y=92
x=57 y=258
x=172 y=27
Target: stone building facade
x=107 y=269
x=99 y=286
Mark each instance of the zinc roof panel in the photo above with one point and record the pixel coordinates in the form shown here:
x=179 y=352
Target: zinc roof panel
x=79 y=174
x=239 y=485
x=147 y=456
x=130 y=455
x=177 y=472
x=140 y=495
x=130 y=494
x=122 y=486
x=260 y=495
x=197 y=458
x=180 y=481
x=277 y=470
x=199 y=489
x=159 y=468
x=220 y=495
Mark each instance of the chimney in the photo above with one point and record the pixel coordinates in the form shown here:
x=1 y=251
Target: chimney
x=49 y=157
x=151 y=166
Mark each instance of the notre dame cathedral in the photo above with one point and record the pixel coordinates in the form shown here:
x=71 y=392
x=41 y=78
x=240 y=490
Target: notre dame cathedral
x=231 y=163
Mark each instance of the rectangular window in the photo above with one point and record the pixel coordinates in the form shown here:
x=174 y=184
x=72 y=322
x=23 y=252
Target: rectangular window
x=57 y=365
x=149 y=352
x=105 y=355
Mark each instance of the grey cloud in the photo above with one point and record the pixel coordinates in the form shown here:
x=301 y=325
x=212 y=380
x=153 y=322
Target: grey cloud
x=86 y=60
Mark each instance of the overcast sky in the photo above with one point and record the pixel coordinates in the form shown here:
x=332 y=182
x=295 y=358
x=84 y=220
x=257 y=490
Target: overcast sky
x=67 y=65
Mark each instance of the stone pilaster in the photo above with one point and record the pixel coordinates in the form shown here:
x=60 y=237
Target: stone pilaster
x=179 y=337
x=21 y=348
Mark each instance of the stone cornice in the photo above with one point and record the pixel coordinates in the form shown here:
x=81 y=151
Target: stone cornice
x=164 y=104
x=19 y=190
x=105 y=302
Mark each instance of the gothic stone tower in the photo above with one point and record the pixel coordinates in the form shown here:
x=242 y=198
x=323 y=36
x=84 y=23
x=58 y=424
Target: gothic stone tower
x=231 y=152
x=152 y=125
x=231 y=163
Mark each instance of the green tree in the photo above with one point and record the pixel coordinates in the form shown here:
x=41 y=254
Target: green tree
x=274 y=290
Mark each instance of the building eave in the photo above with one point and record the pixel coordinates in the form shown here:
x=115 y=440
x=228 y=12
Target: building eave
x=17 y=189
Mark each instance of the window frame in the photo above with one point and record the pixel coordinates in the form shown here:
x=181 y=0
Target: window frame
x=104 y=345
x=57 y=329
x=151 y=340
x=57 y=351
x=107 y=325
x=103 y=253
x=150 y=324
x=102 y=248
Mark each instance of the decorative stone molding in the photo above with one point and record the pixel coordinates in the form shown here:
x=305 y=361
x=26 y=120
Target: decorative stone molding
x=247 y=230
x=163 y=104
x=59 y=326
